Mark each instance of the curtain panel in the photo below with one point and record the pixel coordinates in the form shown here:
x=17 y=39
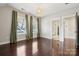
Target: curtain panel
x=31 y=27
x=27 y=27
x=13 y=36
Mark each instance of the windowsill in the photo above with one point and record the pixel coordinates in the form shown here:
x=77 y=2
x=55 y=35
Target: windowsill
x=20 y=33
x=24 y=33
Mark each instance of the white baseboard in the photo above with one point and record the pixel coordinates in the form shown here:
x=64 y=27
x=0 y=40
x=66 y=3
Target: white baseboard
x=1 y=43
x=46 y=37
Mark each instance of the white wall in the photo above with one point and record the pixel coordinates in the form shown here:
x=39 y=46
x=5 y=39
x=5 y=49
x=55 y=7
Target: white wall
x=5 y=24
x=70 y=27
x=46 y=27
x=46 y=22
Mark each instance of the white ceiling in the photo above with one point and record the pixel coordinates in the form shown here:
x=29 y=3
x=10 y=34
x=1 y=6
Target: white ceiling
x=47 y=8
x=2 y=4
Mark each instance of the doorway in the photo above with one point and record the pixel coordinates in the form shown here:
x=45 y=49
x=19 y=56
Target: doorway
x=64 y=33
x=56 y=42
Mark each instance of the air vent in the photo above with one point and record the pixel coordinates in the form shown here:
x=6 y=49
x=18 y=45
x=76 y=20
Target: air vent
x=22 y=9
x=67 y=3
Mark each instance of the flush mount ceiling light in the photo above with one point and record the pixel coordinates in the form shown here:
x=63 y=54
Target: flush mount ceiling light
x=39 y=10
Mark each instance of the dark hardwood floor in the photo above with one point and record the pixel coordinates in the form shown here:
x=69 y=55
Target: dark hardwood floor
x=32 y=47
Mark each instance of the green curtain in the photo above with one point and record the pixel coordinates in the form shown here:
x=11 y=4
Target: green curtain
x=38 y=23
x=13 y=36
x=27 y=27
x=31 y=27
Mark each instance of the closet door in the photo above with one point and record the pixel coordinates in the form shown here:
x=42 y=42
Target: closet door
x=55 y=41
x=70 y=36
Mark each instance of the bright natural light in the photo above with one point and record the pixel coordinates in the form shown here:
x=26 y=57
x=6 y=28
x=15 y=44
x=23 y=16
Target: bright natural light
x=34 y=47
x=21 y=50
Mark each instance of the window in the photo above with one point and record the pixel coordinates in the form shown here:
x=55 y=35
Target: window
x=21 y=24
x=34 y=25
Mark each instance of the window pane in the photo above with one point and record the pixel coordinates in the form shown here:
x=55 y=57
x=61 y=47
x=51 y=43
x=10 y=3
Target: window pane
x=34 y=25
x=21 y=24
x=35 y=30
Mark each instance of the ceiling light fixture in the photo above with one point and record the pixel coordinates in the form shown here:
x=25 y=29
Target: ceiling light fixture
x=39 y=10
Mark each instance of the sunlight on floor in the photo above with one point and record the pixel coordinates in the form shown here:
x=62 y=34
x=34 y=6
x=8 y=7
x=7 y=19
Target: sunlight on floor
x=34 y=47
x=21 y=51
